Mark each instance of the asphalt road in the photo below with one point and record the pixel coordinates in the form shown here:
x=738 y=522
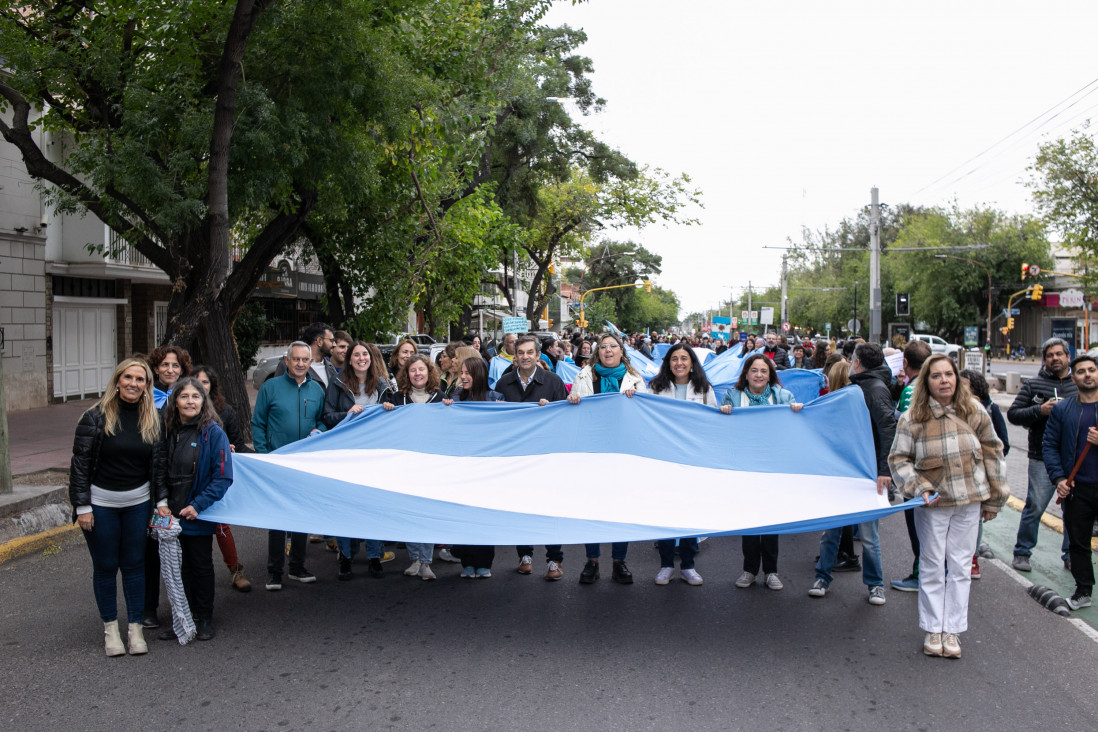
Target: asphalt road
x=516 y=652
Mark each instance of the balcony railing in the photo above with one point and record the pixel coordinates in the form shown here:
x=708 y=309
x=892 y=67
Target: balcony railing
x=119 y=251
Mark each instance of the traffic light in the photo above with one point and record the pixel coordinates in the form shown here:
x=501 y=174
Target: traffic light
x=1025 y=271
x=648 y=285
x=583 y=321
x=1010 y=323
x=903 y=304
x=1038 y=292
x=1004 y=330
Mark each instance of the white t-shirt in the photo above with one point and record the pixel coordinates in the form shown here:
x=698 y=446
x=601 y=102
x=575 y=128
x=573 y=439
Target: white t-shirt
x=321 y=372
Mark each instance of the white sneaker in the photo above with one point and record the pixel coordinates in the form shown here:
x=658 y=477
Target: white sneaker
x=413 y=569
x=445 y=555
x=818 y=589
x=746 y=580
x=877 y=595
x=773 y=582
x=425 y=572
x=690 y=576
x=664 y=575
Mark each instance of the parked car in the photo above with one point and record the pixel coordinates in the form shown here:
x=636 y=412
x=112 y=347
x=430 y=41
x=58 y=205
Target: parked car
x=264 y=370
x=939 y=345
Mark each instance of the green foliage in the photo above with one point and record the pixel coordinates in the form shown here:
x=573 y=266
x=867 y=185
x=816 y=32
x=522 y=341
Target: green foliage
x=249 y=329
x=945 y=292
x=1065 y=188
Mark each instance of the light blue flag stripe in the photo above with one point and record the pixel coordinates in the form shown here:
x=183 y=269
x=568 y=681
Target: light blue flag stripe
x=473 y=472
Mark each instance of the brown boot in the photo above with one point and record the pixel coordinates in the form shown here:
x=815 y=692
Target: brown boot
x=240 y=582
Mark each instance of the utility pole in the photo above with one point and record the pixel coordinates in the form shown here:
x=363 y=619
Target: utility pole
x=854 y=321
x=514 y=288
x=749 y=302
x=785 y=282
x=874 y=267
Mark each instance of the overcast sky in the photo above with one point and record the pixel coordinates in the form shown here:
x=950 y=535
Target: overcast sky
x=787 y=113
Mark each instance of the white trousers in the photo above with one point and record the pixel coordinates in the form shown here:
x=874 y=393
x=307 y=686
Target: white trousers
x=947 y=538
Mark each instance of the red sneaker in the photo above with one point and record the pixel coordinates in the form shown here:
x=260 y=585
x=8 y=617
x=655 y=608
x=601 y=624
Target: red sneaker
x=975 y=568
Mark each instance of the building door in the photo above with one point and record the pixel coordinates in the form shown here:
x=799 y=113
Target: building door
x=84 y=343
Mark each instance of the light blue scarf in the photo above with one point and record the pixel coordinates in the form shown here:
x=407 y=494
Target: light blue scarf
x=611 y=378
x=756 y=400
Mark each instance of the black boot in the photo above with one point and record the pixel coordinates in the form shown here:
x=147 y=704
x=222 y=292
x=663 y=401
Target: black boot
x=205 y=629
x=621 y=573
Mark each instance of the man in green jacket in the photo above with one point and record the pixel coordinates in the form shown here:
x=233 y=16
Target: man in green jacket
x=288 y=409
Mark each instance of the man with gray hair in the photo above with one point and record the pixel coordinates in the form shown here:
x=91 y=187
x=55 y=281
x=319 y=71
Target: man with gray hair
x=1030 y=409
x=288 y=409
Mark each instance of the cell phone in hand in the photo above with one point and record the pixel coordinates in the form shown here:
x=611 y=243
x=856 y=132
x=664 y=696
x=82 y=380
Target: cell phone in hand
x=160 y=522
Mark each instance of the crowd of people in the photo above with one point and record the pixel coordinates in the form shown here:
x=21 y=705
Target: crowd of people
x=161 y=440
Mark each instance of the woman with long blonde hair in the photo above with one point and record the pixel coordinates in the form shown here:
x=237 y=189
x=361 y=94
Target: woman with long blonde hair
x=116 y=474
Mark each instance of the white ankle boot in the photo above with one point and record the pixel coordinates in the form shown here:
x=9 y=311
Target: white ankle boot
x=112 y=643
x=137 y=640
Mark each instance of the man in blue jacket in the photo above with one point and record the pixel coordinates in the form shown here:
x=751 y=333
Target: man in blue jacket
x=1071 y=429
x=288 y=409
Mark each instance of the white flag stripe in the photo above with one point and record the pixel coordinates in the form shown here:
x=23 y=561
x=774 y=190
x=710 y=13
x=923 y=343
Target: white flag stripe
x=613 y=488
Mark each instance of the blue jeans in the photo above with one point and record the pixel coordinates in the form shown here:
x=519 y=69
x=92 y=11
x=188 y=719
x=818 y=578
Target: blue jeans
x=871 y=554
x=424 y=552
x=688 y=548
x=617 y=550
x=1039 y=492
x=349 y=547
x=117 y=543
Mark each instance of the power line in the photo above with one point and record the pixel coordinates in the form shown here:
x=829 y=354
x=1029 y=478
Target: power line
x=1015 y=132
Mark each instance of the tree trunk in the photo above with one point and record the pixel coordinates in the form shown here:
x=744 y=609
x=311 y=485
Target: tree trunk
x=218 y=348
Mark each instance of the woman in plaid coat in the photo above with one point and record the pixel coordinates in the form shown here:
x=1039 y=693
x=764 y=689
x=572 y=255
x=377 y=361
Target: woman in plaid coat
x=946 y=451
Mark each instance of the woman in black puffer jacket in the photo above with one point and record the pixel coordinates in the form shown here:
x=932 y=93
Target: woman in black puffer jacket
x=116 y=474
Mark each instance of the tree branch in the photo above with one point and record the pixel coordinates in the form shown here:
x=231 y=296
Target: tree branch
x=18 y=133
x=274 y=237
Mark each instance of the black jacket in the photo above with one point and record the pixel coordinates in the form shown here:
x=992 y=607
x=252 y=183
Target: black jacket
x=231 y=425
x=398 y=399
x=85 y=457
x=1025 y=411
x=779 y=357
x=543 y=385
x=882 y=414
x=338 y=400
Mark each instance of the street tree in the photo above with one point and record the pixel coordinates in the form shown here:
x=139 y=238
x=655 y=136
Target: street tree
x=182 y=125
x=1064 y=179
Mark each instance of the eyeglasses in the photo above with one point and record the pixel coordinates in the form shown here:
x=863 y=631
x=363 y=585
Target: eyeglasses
x=609 y=347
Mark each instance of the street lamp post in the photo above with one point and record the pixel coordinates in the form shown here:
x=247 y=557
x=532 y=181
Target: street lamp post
x=988 y=271
x=638 y=283
x=588 y=263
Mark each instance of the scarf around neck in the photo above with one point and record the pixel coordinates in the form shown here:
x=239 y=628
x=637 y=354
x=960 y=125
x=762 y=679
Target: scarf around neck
x=755 y=400
x=611 y=378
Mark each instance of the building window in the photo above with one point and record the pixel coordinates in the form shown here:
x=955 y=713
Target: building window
x=160 y=322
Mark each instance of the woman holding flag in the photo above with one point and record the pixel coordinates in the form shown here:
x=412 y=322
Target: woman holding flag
x=417 y=383
x=608 y=372
x=476 y=561
x=681 y=377
x=758 y=386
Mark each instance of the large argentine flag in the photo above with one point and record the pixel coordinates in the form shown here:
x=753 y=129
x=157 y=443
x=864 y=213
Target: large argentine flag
x=477 y=473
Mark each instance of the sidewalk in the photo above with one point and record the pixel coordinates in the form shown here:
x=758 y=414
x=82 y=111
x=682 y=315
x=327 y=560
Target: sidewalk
x=41 y=439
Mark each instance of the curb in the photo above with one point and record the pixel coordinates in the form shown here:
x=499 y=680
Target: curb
x=23 y=545
x=1054 y=523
